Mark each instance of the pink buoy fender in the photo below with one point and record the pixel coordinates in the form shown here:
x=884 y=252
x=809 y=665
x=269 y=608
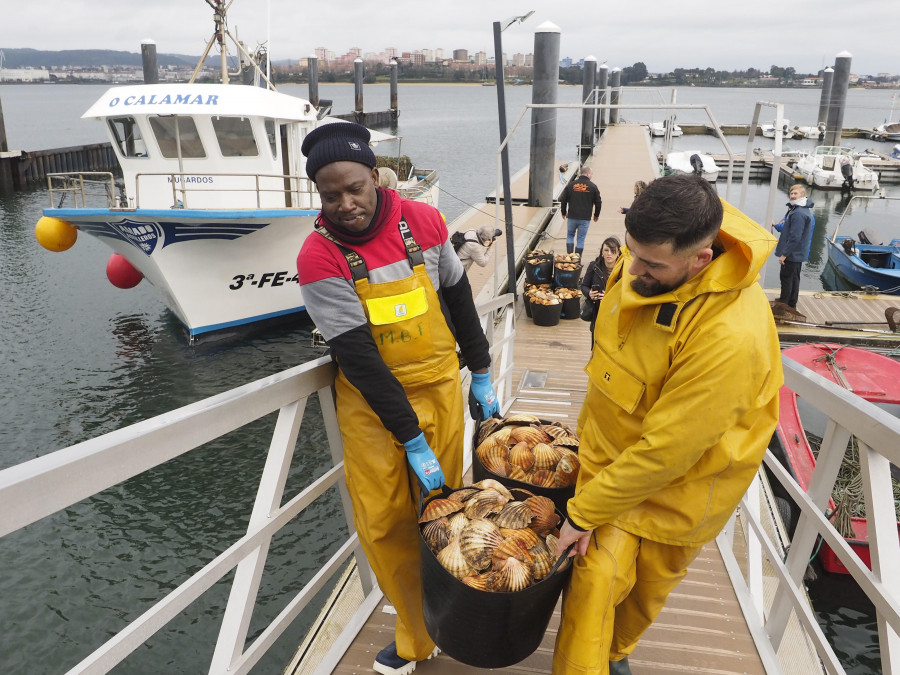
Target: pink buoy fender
x=55 y=234
x=121 y=273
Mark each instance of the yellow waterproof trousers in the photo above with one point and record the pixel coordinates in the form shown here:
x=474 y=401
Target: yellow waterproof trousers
x=616 y=592
x=384 y=492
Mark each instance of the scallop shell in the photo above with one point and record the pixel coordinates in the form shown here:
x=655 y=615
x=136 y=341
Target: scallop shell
x=456 y=524
x=554 y=430
x=497 y=466
x=521 y=418
x=490 y=483
x=502 y=434
x=521 y=455
x=530 y=435
x=487 y=427
x=478 y=541
x=515 y=516
x=437 y=533
x=551 y=543
x=438 y=507
x=516 y=473
x=544 y=478
x=491 y=448
x=520 y=494
x=452 y=559
x=515 y=575
x=462 y=494
x=570 y=442
x=543 y=561
x=545 y=457
x=510 y=548
x=545 y=517
x=479 y=581
x=484 y=503
x=567 y=470
x=527 y=537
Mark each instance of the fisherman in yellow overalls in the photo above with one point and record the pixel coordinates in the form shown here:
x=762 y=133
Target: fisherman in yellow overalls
x=381 y=281
x=681 y=404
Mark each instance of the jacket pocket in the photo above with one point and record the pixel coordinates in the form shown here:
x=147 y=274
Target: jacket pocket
x=620 y=386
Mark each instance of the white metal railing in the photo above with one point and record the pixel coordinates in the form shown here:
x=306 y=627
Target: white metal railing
x=67 y=476
x=878 y=436
x=63 y=185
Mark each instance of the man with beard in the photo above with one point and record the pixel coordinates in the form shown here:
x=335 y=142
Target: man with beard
x=682 y=401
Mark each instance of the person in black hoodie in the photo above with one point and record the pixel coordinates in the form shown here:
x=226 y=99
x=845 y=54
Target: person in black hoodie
x=577 y=201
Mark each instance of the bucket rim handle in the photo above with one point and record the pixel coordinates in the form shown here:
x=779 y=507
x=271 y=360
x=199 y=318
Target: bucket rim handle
x=562 y=559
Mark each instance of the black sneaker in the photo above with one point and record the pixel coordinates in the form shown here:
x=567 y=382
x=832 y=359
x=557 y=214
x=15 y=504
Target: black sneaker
x=388 y=663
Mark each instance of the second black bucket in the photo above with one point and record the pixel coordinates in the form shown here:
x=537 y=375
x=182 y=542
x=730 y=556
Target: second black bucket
x=539 y=269
x=571 y=308
x=567 y=278
x=546 y=315
x=483 y=629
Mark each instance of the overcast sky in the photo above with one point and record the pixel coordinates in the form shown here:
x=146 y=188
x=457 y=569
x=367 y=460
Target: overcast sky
x=664 y=34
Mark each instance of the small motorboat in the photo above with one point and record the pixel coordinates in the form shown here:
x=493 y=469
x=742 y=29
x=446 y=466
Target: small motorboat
x=769 y=130
x=692 y=161
x=833 y=167
x=817 y=132
x=866 y=260
x=868 y=374
x=659 y=129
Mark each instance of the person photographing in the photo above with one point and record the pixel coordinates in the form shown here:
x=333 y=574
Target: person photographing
x=475 y=245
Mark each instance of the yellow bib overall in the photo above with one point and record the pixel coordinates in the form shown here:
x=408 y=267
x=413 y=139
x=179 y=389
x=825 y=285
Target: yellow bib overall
x=415 y=342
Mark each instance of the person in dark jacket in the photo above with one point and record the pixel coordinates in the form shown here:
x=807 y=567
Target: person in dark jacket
x=593 y=284
x=577 y=201
x=793 y=244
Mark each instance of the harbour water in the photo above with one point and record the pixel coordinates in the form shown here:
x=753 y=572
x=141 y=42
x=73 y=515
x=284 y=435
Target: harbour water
x=81 y=358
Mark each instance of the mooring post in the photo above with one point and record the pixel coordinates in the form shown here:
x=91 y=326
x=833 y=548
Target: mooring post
x=587 y=115
x=6 y=171
x=312 y=66
x=615 y=85
x=825 y=98
x=358 y=88
x=395 y=108
x=838 y=98
x=149 y=62
x=542 y=173
x=602 y=84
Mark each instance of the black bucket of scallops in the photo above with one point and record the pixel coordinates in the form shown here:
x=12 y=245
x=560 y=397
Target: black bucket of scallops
x=489 y=574
x=523 y=451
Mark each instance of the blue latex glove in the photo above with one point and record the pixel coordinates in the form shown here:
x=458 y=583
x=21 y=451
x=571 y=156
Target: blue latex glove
x=424 y=463
x=483 y=391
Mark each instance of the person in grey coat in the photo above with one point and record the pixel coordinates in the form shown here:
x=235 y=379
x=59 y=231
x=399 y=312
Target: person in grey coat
x=793 y=245
x=477 y=246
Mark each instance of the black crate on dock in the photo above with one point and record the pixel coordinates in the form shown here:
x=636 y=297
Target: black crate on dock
x=481 y=628
x=545 y=315
x=567 y=278
x=539 y=268
x=571 y=308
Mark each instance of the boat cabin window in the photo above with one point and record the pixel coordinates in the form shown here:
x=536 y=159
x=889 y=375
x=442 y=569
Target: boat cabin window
x=272 y=135
x=235 y=137
x=172 y=130
x=127 y=136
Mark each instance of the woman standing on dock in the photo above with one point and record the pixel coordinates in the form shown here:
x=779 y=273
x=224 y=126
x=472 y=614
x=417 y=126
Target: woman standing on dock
x=593 y=284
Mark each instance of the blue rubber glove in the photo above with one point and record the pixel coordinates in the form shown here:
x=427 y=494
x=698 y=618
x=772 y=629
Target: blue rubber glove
x=424 y=463
x=483 y=391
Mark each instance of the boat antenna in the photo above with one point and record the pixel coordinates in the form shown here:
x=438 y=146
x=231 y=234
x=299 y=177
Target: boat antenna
x=220 y=10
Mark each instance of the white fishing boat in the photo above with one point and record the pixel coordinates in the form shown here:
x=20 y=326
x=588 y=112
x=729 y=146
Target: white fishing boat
x=825 y=169
x=889 y=131
x=692 y=161
x=214 y=201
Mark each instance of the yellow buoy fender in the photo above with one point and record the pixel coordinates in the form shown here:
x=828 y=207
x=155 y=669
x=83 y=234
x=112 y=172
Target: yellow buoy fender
x=55 y=234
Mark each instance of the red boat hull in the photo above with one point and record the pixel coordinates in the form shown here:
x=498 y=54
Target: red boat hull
x=872 y=376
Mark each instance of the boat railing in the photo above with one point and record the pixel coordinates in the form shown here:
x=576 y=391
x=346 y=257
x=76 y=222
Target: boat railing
x=877 y=433
x=848 y=210
x=81 y=186
x=297 y=191
x=70 y=475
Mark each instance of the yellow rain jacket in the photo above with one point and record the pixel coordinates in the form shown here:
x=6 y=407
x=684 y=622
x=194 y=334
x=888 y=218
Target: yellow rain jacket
x=682 y=397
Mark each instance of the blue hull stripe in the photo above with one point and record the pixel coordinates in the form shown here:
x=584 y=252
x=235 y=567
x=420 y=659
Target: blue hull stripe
x=241 y=322
x=181 y=214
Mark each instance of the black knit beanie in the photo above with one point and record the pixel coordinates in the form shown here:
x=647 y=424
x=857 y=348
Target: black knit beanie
x=337 y=142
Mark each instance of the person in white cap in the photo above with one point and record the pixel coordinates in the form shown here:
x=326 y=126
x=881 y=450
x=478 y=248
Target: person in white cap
x=477 y=246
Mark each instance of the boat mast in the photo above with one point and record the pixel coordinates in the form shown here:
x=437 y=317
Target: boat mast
x=220 y=9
